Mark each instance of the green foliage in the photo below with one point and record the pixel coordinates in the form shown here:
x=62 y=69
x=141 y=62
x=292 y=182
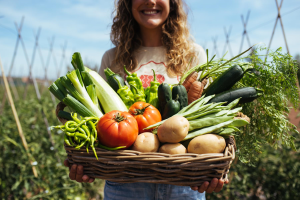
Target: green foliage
x=268 y=114
x=275 y=176
x=16 y=177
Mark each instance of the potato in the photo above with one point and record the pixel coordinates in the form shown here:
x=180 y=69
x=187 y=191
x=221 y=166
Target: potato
x=208 y=143
x=172 y=148
x=146 y=142
x=173 y=130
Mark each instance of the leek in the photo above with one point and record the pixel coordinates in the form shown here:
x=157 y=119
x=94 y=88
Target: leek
x=78 y=107
x=108 y=98
x=56 y=92
x=85 y=98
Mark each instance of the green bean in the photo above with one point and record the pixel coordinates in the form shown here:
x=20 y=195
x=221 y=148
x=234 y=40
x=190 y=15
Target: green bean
x=239 y=122
x=232 y=104
x=234 y=110
x=233 y=127
x=206 y=130
x=110 y=148
x=207 y=121
x=189 y=106
x=226 y=131
x=203 y=114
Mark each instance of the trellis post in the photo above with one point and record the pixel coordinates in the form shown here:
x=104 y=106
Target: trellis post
x=278 y=17
x=245 y=33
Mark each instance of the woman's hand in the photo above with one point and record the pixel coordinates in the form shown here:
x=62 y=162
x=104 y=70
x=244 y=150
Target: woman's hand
x=215 y=185
x=76 y=173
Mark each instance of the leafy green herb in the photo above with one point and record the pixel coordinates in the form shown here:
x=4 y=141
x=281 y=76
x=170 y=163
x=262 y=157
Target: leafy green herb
x=268 y=114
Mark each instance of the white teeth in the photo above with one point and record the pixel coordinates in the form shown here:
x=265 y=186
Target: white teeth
x=150 y=12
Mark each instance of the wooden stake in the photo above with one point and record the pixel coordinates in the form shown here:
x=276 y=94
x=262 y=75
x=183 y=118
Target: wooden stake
x=281 y=23
x=17 y=118
x=245 y=22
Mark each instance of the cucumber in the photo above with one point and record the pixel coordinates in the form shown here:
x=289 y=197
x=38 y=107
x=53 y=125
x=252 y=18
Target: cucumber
x=171 y=108
x=182 y=95
x=226 y=80
x=164 y=95
x=247 y=94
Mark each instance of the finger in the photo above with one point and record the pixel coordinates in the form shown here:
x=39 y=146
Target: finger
x=212 y=186
x=227 y=181
x=219 y=186
x=91 y=180
x=194 y=188
x=85 y=178
x=66 y=163
x=203 y=187
x=73 y=171
x=79 y=173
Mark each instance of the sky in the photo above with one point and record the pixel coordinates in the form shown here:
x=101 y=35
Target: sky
x=84 y=26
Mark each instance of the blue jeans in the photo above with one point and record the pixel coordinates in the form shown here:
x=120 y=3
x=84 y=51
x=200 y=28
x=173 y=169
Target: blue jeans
x=149 y=191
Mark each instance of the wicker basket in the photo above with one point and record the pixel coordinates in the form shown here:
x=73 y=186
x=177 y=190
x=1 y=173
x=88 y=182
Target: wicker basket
x=128 y=166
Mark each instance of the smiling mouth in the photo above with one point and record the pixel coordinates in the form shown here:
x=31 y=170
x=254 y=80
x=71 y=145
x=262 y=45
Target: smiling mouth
x=150 y=12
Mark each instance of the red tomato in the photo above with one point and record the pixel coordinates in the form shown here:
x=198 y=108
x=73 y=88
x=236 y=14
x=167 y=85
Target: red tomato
x=117 y=128
x=145 y=115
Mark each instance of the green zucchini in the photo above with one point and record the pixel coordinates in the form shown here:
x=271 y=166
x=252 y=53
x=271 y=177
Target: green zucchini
x=164 y=95
x=247 y=94
x=227 y=79
x=182 y=95
x=110 y=76
x=171 y=108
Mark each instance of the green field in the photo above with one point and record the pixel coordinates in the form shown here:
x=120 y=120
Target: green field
x=276 y=174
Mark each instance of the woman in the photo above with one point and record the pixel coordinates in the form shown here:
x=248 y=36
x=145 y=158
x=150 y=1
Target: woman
x=150 y=34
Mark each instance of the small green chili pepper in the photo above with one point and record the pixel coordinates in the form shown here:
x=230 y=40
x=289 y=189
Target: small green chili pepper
x=71 y=141
x=80 y=135
x=81 y=145
x=147 y=90
x=74 y=117
x=87 y=147
x=152 y=98
x=68 y=124
x=66 y=139
x=125 y=94
x=76 y=139
x=133 y=79
x=137 y=96
x=70 y=134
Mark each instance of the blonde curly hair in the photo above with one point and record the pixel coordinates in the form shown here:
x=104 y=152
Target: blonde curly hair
x=175 y=37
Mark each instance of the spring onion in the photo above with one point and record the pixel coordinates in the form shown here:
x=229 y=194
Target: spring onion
x=86 y=100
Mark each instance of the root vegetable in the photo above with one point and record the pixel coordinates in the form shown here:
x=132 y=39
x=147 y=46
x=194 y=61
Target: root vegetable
x=173 y=130
x=189 y=80
x=146 y=142
x=172 y=148
x=208 y=143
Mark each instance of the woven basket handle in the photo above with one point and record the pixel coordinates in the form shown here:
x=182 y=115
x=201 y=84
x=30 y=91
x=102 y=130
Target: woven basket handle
x=60 y=107
x=231 y=140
